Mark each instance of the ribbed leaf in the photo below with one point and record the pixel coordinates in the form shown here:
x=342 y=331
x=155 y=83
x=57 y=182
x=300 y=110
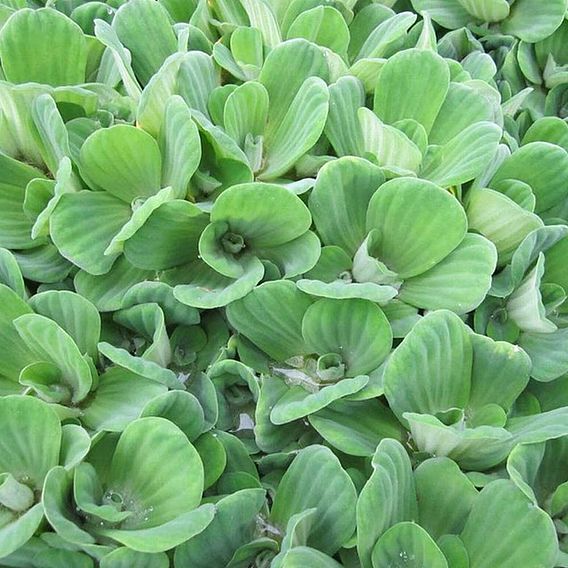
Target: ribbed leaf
x=410 y=216
x=43 y=46
x=316 y=479
x=459 y=282
x=123 y=160
x=531 y=538
x=52 y=344
x=413 y=84
x=430 y=371
x=387 y=498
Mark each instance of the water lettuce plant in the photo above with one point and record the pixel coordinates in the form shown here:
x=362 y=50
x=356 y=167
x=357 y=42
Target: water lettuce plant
x=284 y=284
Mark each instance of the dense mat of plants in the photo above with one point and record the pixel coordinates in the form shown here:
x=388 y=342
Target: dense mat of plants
x=284 y=284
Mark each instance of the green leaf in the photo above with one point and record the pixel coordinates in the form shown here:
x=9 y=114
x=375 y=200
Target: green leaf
x=248 y=209
x=531 y=23
x=525 y=305
x=167 y=535
x=459 y=282
x=181 y=408
x=52 y=344
x=407 y=544
x=403 y=83
x=500 y=220
x=316 y=479
x=30 y=446
x=232 y=527
x=298 y=402
x=299 y=129
x=551 y=162
x=106 y=291
x=323 y=25
x=306 y=59
x=356 y=330
x=14 y=353
x=202 y=287
x=74 y=314
x=462 y=107
x=246 y=112
x=356 y=427
x=464 y=157
x=547 y=352
x=409 y=216
x=119 y=399
x=125 y=557
x=174 y=229
x=387 y=498
x=448 y=13
x=43 y=46
x=10 y=273
x=271 y=317
x=86 y=249
x=445 y=496
x=262 y=17
x=15 y=534
x=342 y=129
x=531 y=538
x=180 y=146
x=390 y=147
x=301 y=556
x=499 y=374
x=134 y=22
x=123 y=160
x=430 y=371
x=340 y=199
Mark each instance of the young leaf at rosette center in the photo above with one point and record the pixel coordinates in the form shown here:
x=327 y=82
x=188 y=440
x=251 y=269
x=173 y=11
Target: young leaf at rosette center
x=408 y=545
x=389 y=147
x=531 y=538
x=123 y=160
x=459 y=282
x=30 y=445
x=316 y=479
x=43 y=46
x=430 y=371
x=242 y=221
x=245 y=113
x=388 y=497
x=413 y=84
x=356 y=331
x=410 y=216
x=525 y=305
x=340 y=199
x=52 y=344
x=233 y=526
x=150 y=450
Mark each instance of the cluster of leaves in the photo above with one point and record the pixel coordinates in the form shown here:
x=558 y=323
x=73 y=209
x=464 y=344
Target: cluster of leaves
x=284 y=283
